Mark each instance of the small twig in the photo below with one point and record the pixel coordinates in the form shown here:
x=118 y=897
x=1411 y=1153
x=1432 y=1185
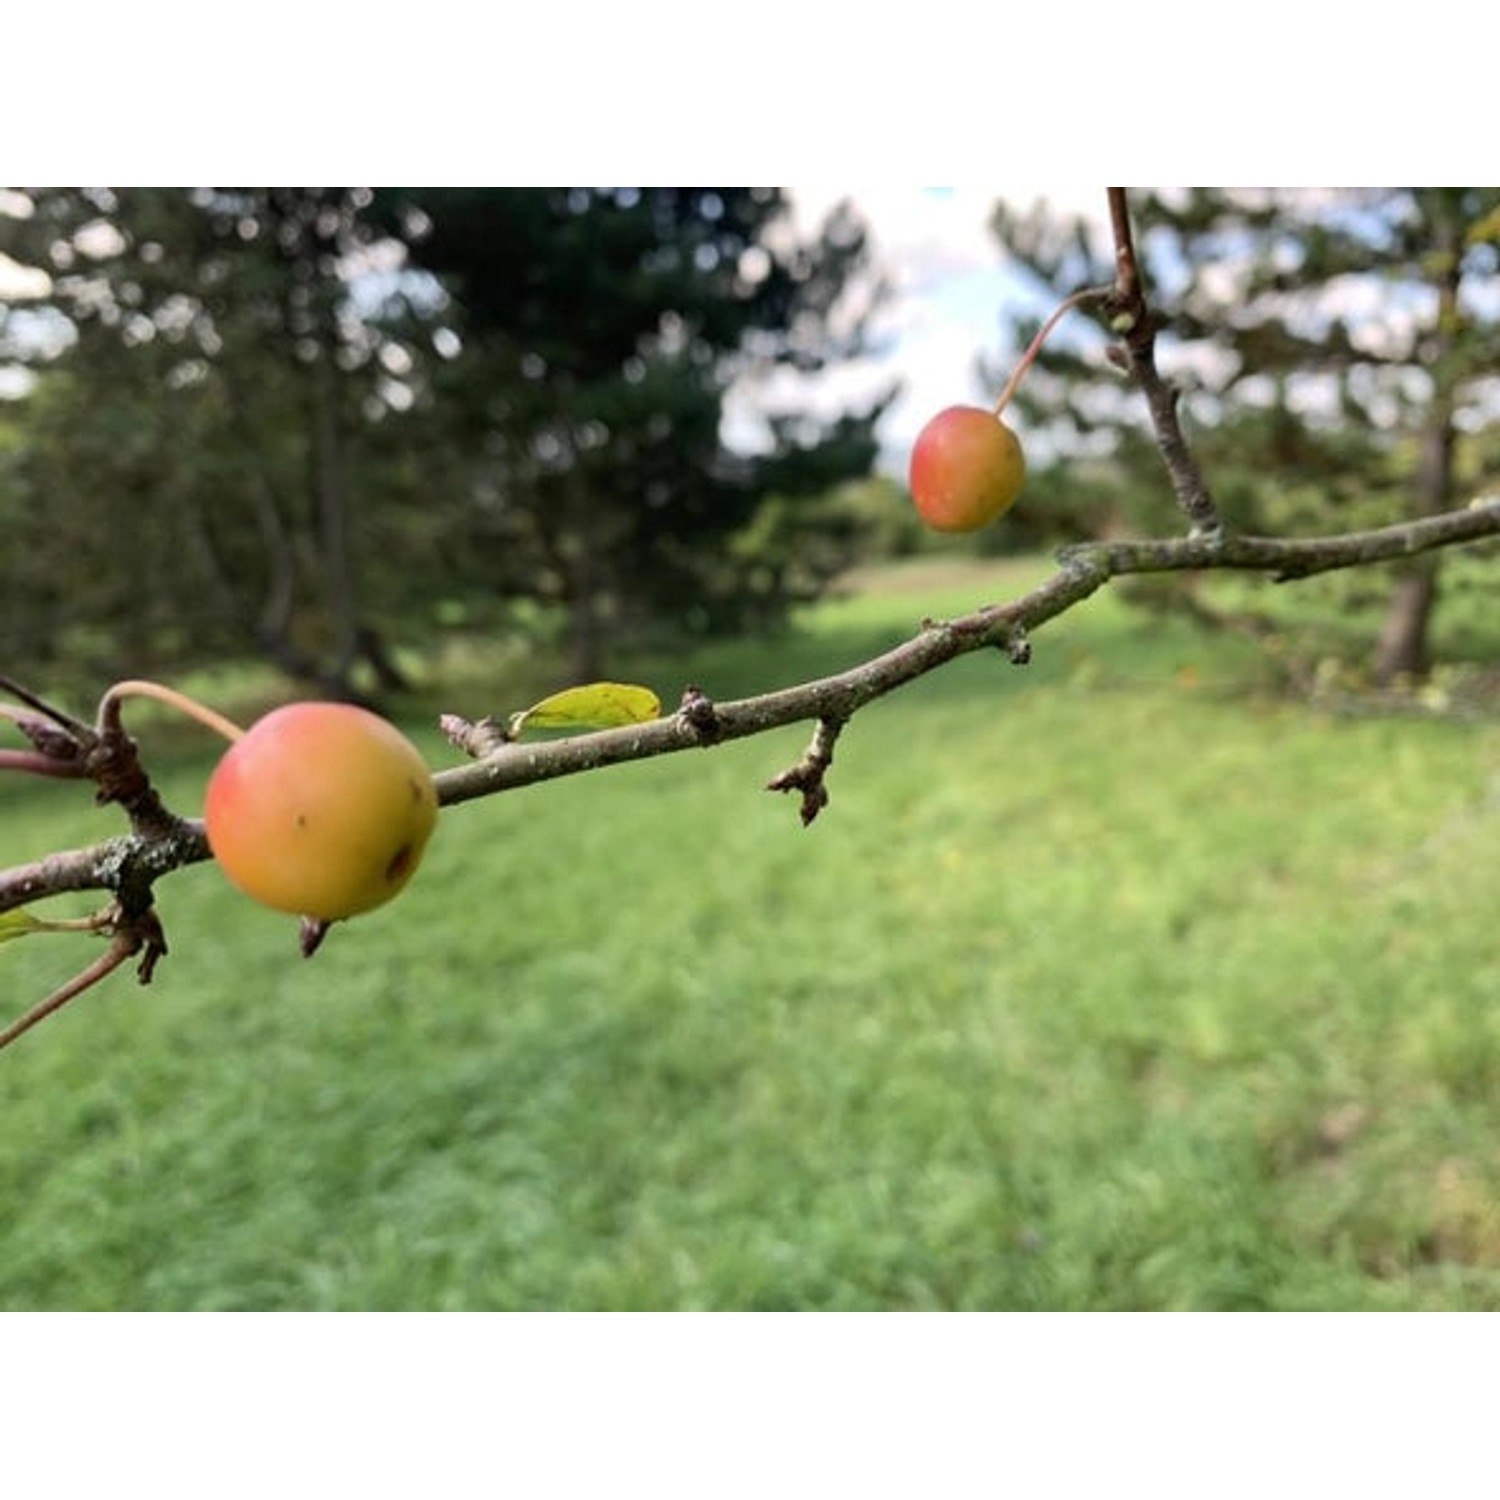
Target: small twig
x=59 y=743
x=1133 y=321
x=475 y=739
x=36 y=763
x=122 y=946
x=75 y=728
x=808 y=775
x=1127 y=270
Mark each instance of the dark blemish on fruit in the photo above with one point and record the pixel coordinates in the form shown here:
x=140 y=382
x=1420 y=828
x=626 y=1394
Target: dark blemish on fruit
x=399 y=866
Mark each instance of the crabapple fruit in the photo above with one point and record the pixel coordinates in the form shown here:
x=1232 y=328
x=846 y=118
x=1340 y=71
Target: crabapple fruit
x=966 y=469
x=320 y=809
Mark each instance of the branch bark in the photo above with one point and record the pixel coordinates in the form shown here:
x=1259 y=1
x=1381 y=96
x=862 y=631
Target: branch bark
x=1135 y=323
x=1082 y=571
x=130 y=864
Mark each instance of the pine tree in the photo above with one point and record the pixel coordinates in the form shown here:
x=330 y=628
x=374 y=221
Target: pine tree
x=601 y=332
x=1336 y=351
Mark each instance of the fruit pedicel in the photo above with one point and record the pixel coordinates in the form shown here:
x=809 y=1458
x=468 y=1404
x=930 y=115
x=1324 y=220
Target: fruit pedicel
x=967 y=467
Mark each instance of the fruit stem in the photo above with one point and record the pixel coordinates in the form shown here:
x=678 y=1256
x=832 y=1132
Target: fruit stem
x=1087 y=294
x=138 y=688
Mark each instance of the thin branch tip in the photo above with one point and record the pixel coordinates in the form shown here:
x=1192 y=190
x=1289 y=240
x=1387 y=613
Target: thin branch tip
x=809 y=774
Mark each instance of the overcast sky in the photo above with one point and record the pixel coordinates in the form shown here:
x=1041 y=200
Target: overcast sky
x=950 y=286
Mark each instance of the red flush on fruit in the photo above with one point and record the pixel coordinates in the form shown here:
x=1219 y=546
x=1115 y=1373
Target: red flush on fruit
x=966 y=469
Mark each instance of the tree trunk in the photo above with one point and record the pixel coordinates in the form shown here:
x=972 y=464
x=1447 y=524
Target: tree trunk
x=587 y=569
x=585 y=628
x=1402 y=648
x=374 y=652
x=332 y=505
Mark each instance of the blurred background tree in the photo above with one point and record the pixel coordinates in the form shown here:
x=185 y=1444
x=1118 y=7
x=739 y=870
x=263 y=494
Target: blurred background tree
x=1340 y=360
x=191 y=465
x=308 y=424
x=595 y=336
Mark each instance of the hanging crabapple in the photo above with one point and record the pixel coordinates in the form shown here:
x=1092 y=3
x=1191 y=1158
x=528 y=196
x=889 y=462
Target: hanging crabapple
x=966 y=469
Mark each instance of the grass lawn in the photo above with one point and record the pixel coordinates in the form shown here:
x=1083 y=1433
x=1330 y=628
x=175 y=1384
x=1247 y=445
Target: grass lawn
x=1109 y=982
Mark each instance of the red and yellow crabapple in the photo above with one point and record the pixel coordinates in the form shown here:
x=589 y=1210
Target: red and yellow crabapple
x=320 y=809
x=966 y=469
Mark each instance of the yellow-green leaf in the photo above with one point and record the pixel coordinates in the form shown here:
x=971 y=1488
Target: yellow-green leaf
x=594 y=705
x=17 y=924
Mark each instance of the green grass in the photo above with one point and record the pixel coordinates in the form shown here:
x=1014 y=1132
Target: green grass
x=1106 y=983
